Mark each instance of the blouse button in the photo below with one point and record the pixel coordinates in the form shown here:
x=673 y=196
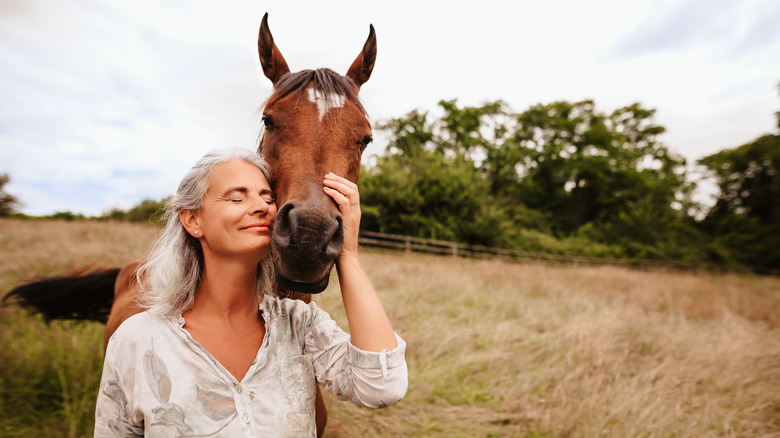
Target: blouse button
x=238 y=387
x=246 y=418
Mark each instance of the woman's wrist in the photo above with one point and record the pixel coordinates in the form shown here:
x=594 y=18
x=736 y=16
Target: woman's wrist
x=347 y=258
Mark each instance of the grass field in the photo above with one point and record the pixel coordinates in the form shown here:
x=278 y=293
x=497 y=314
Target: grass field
x=494 y=349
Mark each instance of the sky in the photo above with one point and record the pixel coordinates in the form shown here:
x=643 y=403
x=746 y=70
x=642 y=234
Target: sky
x=106 y=103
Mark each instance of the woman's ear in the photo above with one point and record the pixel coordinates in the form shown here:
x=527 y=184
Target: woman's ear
x=189 y=220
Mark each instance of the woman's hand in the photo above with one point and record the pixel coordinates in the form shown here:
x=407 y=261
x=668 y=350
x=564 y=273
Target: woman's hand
x=369 y=327
x=346 y=195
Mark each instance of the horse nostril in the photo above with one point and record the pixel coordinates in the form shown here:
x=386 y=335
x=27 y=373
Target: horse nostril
x=282 y=228
x=333 y=245
x=309 y=231
x=307 y=240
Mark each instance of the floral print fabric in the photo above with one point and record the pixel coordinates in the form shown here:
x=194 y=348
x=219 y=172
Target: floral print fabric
x=159 y=382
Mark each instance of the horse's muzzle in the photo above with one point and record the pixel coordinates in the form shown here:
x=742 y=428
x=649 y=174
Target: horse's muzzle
x=307 y=239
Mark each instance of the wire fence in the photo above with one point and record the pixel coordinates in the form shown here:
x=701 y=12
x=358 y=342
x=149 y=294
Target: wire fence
x=415 y=244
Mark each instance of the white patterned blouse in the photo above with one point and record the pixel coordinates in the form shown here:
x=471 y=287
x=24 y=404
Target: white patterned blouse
x=158 y=381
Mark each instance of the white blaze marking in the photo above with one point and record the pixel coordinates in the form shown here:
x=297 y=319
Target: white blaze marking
x=325 y=102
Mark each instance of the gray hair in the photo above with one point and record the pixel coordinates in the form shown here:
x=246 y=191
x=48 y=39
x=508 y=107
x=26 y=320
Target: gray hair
x=171 y=274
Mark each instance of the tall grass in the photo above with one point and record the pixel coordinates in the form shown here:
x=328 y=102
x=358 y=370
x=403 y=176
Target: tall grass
x=526 y=350
x=51 y=371
x=494 y=349
x=50 y=376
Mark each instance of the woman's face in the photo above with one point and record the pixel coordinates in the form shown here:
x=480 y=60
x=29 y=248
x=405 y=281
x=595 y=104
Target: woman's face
x=238 y=212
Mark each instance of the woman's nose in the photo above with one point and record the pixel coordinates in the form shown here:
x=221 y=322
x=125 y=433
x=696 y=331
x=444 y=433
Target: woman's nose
x=260 y=206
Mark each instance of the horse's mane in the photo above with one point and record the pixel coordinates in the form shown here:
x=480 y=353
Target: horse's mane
x=324 y=80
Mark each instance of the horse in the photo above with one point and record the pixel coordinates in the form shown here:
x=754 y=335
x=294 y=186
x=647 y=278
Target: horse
x=313 y=123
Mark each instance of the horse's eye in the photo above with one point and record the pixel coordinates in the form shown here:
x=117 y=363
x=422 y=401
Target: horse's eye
x=268 y=122
x=366 y=140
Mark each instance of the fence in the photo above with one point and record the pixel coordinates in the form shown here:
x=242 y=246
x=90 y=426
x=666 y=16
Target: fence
x=416 y=244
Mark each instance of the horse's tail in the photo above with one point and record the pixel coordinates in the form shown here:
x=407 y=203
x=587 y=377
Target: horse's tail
x=75 y=295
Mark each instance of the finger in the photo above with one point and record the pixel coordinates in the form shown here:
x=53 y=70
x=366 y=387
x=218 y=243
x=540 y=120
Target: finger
x=341 y=199
x=341 y=187
x=333 y=176
x=351 y=197
x=341 y=181
x=344 y=187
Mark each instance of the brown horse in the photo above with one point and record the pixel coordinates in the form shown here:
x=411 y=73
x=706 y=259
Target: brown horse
x=313 y=124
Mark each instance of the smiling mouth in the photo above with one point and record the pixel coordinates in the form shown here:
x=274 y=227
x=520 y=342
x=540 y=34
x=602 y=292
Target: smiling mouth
x=258 y=227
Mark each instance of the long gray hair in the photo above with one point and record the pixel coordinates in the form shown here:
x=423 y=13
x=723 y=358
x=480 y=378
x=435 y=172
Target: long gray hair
x=171 y=274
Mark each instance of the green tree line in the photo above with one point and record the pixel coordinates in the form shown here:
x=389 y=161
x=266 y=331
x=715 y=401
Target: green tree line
x=561 y=177
x=148 y=210
x=564 y=177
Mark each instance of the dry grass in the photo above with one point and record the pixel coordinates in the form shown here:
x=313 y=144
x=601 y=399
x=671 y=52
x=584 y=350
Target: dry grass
x=40 y=248
x=500 y=349
x=508 y=350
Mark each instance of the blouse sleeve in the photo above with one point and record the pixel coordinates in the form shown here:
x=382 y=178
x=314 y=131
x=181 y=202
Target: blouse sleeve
x=370 y=379
x=112 y=411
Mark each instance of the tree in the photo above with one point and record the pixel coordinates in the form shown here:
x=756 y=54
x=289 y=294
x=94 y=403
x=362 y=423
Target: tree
x=463 y=137
x=147 y=211
x=746 y=215
x=561 y=168
x=410 y=135
x=8 y=202
x=431 y=196
x=471 y=131
x=427 y=185
x=580 y=166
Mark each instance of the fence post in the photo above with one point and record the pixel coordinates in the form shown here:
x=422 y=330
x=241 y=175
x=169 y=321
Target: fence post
x=437 y=246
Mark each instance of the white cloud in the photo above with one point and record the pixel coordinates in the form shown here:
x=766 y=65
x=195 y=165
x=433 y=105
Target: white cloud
x=107 y=103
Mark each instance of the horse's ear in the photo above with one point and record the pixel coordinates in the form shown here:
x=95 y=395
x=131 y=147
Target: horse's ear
x=361 y=68
x=274 y=65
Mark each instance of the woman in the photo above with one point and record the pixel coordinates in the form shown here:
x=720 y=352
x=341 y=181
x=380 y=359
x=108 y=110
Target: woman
x=216 y=354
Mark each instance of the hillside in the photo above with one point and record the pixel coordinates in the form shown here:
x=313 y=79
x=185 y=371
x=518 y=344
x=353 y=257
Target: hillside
x=494 y=349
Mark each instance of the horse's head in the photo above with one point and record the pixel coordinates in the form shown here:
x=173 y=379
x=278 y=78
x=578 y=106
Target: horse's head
x=314 y=124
